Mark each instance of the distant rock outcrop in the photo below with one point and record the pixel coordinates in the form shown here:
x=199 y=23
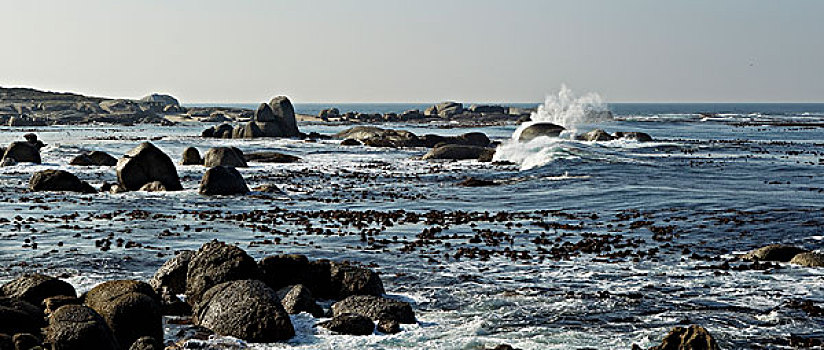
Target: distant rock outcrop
x=275 y=119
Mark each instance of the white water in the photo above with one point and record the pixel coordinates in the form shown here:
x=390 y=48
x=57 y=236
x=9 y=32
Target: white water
x=564 y=109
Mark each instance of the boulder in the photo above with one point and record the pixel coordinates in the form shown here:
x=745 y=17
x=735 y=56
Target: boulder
x=458 y=152
x=774 y=252
x=389 y=326
x=353 y=280
x=264 y=113
x=693 y=338
x=488 y=109
x=447 y=109
x=376 y=308
x=378 y=137
x=6 y=342
x=223 y=131
x=58 y=181
x=226 y=156
x=351 y=324
x=270 y=157
x=18 y=316
x=35 y=288
x=26 y=341
x=130 y=308
x=215 y=263
x=473 y=139
x=290 y=269
x=540 y=129
x=51 y=304
x=164 y=100
x=23 y=152
x=146 y=163
x=222 y=181
x=172 y=274
x=146 y=343
x=329 y=113
x=191 y=156
x=283 y=108
x=244 y=309
x=248 y=131
x=808 y=259
x=208 y=132
x=633 y=135
x=76 y=327
x=350 y=142
x=154 y=186
x=94 y=158
x=596 y=135
x=297 y=299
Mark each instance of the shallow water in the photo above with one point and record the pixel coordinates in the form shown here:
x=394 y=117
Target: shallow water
x=706 y=188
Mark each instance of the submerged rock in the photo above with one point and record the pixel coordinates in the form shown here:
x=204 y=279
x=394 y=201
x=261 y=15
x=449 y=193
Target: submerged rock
x=58 y=181
x=460 y=152
x=376 y=308
x=215 y=263
x=76 y=327
x=147 y=163
x=351 y=324
x=808 y=259
x=245 y=309
x=222 y=181
x=475 y=182
x=596 y=135
x=540 y=129
x=94 y=158
x=774 y=252
x=270 y=157
x=633 y=135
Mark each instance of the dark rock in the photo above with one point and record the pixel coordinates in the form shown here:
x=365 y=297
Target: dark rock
x=269 y=189
x=172 y=274
x=26 y=341
x=376 y=308
x=208 y=133
x=297 y=299
x=351 y=324
x=350 y=142
x=540 y=129
x=191 y=156
x=53 y=303
x=291 y=269
x=222 y=181
x=264 y=113
x=223 y=131
x=23 y=152
x=215 y=263
x=58 y=181
x=459 y=152
x=774 y=252
x=95 y=158
x=146 y=163
x=34 y=288
x=154 y=186
x=249 y=130
x=171 y=305
x=130 y=308
x=808 y=259
x=445 y=109
x=473 y=139
x=693 y=338
x=488 y=109
x=163 y=100
x=389 y=326
x=353 y=280
x=227 y=156
x=377 y=137
x=282 y=107
x=270 y=157
x=18 y=316
x=596 y=135
x=146 y=343
x=6 y=342
x=76 y=327
x=633 y=135
x=245 y=309
x=474 y=182
x=329 y=113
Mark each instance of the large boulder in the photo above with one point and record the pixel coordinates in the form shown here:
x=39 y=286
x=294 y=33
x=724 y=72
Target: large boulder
x=540 y=129
x=191 y=156
x=76 y=327
x=458 y=152
x=282 y=107
x=376 y=308
x=34 y=288
x=808 y=259
x=351 y=324
x=693 y=338
x=23 y=151
x=291 y=269
x=94 y=158
x=353 y=280
x=172 y=274
x=58 y=181
x=223 y=131
x=297 y=299
x=249 y=130
x=146 y=163
x=18 y=316
x=244 y=309
x=774 y=252
x=215 y=263
x=222 y=181
x=130 y=308
x=227 y=156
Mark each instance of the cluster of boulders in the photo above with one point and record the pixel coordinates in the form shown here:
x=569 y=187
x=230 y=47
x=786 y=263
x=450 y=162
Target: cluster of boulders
x=22 y=151
x=29 y=107
x=441 y=111
x=786 y=253
x=538 y=129
x=273 y=119
x=473 y=145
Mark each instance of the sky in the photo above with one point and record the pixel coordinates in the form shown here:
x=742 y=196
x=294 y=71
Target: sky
x=417 y=51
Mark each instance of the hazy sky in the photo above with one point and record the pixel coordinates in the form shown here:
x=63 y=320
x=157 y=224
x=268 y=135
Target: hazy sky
x=417 y=51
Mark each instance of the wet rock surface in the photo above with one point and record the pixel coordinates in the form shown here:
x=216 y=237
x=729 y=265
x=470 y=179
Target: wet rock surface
x=376 y=308
x=223 y=181
x=144 y=164
x=352 y=324
x=58 y=181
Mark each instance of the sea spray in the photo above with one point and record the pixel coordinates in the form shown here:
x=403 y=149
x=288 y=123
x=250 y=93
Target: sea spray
x=564 y=109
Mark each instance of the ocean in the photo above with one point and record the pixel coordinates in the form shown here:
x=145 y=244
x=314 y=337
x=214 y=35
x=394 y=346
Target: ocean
x=579 y=245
